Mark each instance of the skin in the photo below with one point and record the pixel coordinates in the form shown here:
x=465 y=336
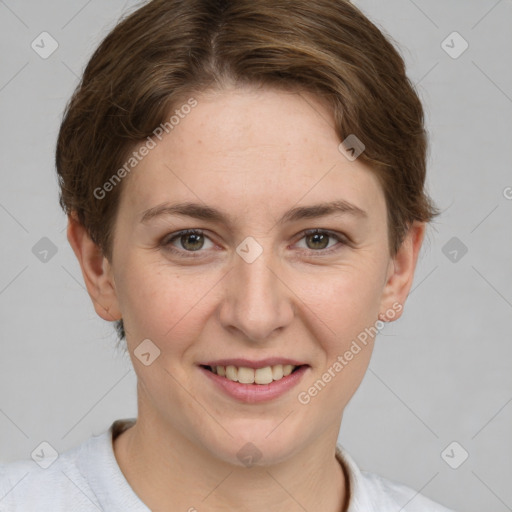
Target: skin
x=253 y=153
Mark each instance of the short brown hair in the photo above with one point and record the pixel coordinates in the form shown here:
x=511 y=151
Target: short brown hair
x=169 y=49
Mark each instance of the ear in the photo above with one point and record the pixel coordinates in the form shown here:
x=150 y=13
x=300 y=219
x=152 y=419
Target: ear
x=96 y=270
x=401 y=273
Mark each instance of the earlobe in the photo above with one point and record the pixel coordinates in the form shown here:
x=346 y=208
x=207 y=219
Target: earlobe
x=401 y=273
x=96 y=271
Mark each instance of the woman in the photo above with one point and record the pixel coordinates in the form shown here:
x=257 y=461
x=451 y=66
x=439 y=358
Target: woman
x=244 y=182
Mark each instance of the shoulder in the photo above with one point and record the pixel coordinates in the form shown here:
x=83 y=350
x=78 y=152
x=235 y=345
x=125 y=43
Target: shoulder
x=396 y=496
x=56 y=485
x=370 y=492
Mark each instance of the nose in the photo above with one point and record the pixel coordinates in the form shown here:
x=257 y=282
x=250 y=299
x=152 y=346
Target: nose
x=258 y=302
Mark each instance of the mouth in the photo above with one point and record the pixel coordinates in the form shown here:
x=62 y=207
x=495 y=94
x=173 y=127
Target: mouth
x=253 y=381
x=257 y=376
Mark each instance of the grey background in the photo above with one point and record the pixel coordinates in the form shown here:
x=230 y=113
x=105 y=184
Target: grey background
x=440 y=374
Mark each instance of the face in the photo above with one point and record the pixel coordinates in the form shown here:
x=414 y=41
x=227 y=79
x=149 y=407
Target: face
x=250 y=286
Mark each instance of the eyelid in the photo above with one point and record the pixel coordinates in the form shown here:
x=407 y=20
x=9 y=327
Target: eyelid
x=167 y=240
x=342 y=239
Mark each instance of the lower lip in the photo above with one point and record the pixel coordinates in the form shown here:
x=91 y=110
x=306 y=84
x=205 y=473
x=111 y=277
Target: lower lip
x=255 y=393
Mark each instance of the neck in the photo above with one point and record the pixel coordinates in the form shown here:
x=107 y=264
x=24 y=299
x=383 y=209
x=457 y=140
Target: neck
x=164 y=468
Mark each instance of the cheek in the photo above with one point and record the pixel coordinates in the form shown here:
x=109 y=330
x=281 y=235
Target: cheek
x=345 y=298
x=163 y=304
x=344 y=310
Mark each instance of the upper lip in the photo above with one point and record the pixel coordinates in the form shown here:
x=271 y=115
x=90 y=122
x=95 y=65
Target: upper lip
x=246 y=363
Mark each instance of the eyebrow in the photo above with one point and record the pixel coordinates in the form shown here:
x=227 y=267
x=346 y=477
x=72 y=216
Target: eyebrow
x=203 y=212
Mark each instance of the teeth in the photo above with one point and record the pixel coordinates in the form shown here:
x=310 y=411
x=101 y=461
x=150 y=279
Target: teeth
x=246 y=375
x=232 y=373
x=277 y=372
x=287 y=369
x=263 y=375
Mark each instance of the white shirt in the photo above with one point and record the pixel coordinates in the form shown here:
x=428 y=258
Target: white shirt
x=87 y=478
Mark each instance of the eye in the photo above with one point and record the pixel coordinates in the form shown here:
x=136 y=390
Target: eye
x=317 y=240
x=190 y=240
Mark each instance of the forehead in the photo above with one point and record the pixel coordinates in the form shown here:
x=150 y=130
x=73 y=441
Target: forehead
x=245 y=148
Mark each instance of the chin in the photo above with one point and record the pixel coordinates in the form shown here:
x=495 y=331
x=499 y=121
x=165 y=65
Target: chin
x=265 y=443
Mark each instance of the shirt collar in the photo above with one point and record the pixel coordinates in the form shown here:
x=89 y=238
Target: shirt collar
x=104 y=475
x=359 y=500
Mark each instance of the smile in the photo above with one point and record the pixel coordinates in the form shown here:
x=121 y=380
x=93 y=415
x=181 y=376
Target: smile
x=254 y=382
x=245 y=375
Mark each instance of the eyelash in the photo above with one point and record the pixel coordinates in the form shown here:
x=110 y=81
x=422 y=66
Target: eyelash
x=166 y=242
